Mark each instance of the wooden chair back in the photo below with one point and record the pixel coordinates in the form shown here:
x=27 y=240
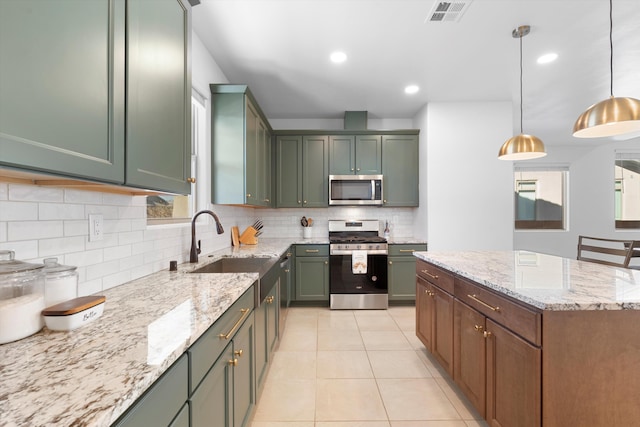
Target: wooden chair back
x=614 y=252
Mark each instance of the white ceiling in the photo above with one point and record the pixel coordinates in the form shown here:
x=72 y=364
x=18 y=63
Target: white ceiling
x=280 y=48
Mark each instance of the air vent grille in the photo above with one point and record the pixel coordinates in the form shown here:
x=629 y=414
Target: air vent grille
x=448 y=11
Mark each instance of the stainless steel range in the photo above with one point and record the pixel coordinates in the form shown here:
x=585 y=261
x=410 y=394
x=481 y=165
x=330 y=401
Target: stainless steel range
x=357 y=265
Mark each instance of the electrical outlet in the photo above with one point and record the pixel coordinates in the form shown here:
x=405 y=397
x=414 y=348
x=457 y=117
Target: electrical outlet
x=96 y=227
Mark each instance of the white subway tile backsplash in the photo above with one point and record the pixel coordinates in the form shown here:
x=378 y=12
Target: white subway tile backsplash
x=60 y=246
x=117 y=199
x=33 y=193
x=82 y=197
x=4 y=191
x=132 y=261
x=30 y=230
x=26 y=250
x=139 y=224
x=18 y=211
x=107 y=212
x=49 y=211
x=116 y=279
x=3 y=231
x=84 y=258
x=132 y=212
x=117 y=252
x=129 y=237
x=108 y=240
x=141 y=247
x=76 y=228
x=90 y=287
x=101 y=270
x=117 y=225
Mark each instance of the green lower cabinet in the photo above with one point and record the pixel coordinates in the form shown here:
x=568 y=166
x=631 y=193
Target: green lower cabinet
x=182 y=419
x=312 y=273
x=266 y=334
x=401 y=272
x=212 y=402
x=163 y=402
x=244 y=374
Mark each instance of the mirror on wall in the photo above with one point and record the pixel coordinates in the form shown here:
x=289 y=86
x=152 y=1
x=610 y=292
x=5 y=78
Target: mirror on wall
x=627 y=190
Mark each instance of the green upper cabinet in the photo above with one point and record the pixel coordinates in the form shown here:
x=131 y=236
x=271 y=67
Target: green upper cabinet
x=241 y=148
x=355 y=154
x=302 y=171
x=158 y=95
x=400 y=170
x=64 y=107
x=62 y=83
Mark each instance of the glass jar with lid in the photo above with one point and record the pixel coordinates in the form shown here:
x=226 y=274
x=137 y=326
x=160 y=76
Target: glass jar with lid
x=21 y=298
x=60 y=282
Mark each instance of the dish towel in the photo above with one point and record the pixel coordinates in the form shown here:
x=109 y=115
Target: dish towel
x=359 y=262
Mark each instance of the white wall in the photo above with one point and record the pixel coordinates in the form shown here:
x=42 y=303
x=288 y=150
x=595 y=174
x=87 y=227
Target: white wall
x=470 y=197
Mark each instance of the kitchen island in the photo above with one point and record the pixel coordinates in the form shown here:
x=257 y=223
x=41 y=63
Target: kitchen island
x=533 y=339
x=92 y=375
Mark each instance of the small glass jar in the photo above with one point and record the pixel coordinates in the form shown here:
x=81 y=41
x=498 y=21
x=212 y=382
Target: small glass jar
x=21 y=298
x=60 y=282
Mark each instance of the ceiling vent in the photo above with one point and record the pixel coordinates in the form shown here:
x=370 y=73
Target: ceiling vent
x=448 y=11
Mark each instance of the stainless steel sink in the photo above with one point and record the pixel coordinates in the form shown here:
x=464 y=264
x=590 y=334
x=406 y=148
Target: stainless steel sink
x=234 y=265
x=264 y=266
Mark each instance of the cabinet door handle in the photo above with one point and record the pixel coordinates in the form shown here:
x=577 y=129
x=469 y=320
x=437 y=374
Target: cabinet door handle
x=390 y=262
x=266 y=200
x=429 y=274
x=286 y=270
x=358 y=169
x=245 y=312
x=270 y=300
x=326 y=262
x=299 y=202
x=407 y=250
x=312 y=251
x=478 y=328
x=351 y=169
x=479 y=301
x=248 y=194
x=238 y=353
x=191 y=180
x=487 y=334
x=233 y=362
x=304 y=203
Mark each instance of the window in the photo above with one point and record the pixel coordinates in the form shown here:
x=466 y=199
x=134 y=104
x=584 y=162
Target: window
x=169 y=208
x=627 y=190
x=540 y=198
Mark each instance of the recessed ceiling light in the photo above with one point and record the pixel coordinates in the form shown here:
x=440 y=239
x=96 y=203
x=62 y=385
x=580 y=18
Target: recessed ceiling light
x=411 y=89
x=548 y=57
x=338 y=57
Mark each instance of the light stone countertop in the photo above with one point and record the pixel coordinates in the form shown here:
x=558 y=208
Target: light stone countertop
x=545 y=281
x=90 y=376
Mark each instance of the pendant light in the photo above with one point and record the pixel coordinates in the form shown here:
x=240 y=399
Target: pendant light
x=613 y=116
x=522 y=146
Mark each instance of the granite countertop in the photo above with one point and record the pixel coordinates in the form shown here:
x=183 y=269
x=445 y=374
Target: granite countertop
x=545 y=281
x=91 y=375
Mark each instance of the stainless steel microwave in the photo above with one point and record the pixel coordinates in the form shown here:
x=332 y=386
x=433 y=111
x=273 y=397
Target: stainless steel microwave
x=353 y=190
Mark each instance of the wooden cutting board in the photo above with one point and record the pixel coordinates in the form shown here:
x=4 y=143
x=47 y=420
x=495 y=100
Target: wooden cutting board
x=235 y=236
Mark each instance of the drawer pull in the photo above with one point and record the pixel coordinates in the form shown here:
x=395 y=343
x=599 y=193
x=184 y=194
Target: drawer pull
x=429 y=274
x=270 y=300
x=312 y=251
x=478 y=328
x=407 y=250
x=245 y=312
x=479 y=301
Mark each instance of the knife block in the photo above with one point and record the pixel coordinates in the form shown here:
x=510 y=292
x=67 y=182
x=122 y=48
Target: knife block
x=248 y=236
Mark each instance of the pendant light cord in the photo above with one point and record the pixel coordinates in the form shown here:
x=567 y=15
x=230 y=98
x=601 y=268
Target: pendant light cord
x=521 y=98
x=611 y=43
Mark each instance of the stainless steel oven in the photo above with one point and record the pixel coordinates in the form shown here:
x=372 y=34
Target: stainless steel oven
x=357 y=265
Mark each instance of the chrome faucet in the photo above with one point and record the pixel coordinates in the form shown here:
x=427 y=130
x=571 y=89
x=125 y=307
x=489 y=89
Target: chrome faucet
x=193 y=257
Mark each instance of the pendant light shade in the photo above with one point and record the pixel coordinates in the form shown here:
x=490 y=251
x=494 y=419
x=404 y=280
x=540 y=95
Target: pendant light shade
x=522 y=146
x=613 y=116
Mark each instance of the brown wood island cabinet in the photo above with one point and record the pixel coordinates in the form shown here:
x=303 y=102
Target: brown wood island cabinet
x=521 y=365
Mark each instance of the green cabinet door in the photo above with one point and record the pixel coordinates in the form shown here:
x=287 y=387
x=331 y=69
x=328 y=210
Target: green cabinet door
x=158 y=95
x=266 y=319
x=315 y=171
x=289 y=171
x=251 y=168
x=342 y=155
x=163 y=401
x=263 y=166
x=400 y=170
x=62 y=87
x=401 y=271
x=244 y=375
x=312 y=278
x=368 y=154
x=212 y=402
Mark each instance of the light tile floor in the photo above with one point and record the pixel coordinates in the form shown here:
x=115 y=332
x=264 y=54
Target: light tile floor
x=358 y=368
